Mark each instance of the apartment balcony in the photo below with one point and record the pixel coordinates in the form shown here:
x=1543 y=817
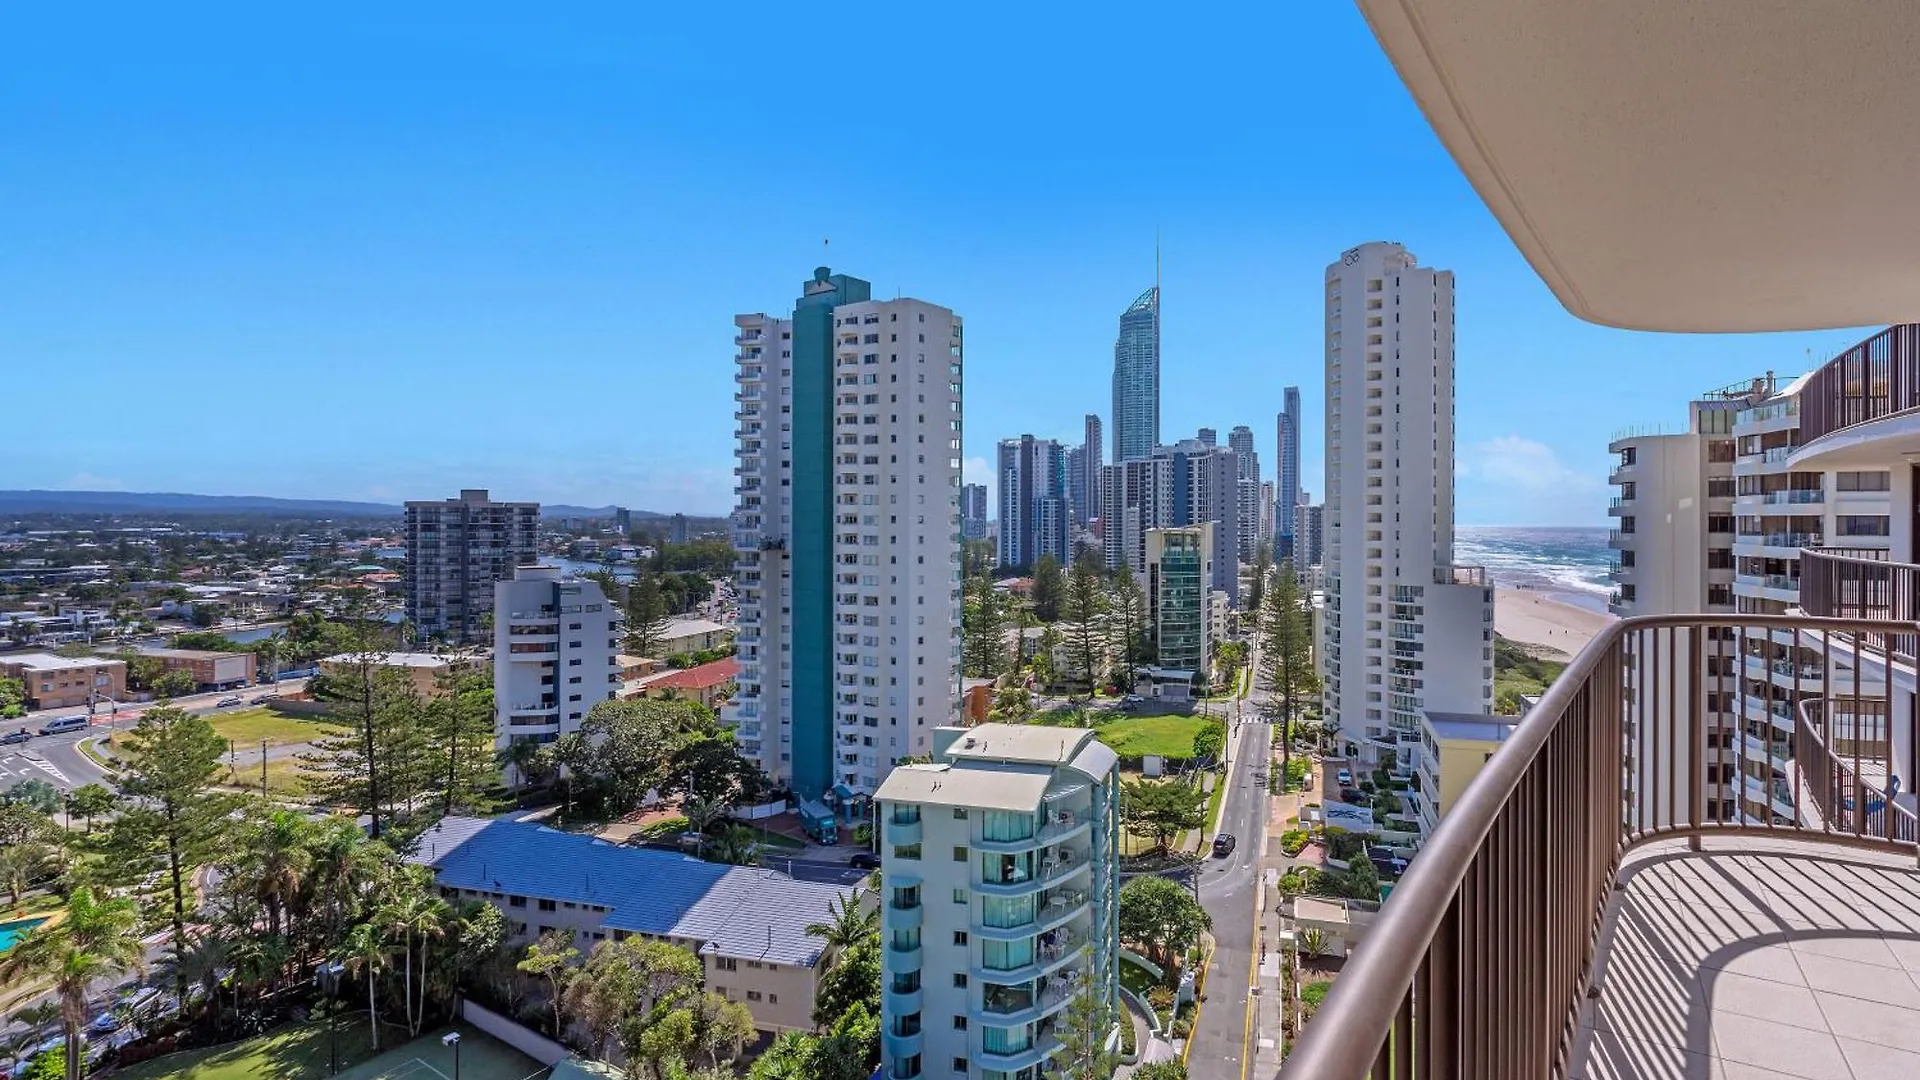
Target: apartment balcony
x=1582 y=911
x=905 y=916
x=902 y=1002
x=1779 y=544
x=1618 y=538
x=1040 y=1052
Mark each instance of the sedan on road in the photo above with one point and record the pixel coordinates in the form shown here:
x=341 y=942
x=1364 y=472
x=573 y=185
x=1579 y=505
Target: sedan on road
x=227 y=702
x=262 y=699
x=15 y=738
x=865 y=860
x=1223 y=845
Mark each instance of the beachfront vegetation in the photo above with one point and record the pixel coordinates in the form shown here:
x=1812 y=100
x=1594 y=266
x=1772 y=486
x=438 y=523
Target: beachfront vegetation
x=1520 y=670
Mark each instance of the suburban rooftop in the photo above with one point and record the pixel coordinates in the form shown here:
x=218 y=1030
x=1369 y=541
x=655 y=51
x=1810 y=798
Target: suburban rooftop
x=1471 y=727
x=742 y=912
x=40 y=661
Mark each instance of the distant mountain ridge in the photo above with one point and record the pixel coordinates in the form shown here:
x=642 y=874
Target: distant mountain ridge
x=151 y=502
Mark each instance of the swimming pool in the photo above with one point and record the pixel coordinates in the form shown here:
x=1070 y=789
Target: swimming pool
x=12 y=932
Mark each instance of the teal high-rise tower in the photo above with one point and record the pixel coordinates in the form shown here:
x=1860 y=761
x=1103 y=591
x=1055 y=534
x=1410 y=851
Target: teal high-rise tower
x=848 y=533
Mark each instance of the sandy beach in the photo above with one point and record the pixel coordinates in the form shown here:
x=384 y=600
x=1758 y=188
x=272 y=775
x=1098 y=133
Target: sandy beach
x=1534 y=618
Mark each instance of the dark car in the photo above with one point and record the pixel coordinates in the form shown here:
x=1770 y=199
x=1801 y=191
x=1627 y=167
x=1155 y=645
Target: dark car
x=15 y=738
x=865 y=860
x=262 y=699
x=1223 y=845
x=1355 y=796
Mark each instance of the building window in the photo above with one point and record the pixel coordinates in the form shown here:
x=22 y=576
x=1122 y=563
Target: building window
x=548 y=905
x=516 y=901
x=960 y=982
x=726 y=963
x=959 y=813
x=906 y=851
x=960 y=937
x=753 y=995
x=959 y=1023
x=959 y=854
x=959 y=896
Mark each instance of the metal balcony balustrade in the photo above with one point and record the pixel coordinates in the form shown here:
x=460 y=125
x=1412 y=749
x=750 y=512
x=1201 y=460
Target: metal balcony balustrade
x=1583 y=911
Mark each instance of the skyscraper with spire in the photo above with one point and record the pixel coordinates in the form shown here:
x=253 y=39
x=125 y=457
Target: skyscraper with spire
x=1136 y=375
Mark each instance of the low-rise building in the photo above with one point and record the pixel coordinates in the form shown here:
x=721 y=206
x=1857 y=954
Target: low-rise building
x=1452 y=749
x=211 y=670
x=709 y=683
x=747 y=924
x=692 y=636
x=421 y=670
x=56 y=682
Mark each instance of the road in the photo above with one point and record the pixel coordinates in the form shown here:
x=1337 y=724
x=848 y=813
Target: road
x=823 y=871
x=1228 y=888
x=57 y=758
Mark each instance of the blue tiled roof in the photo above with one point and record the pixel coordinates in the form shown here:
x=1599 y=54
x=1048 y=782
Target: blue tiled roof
x=737 y=911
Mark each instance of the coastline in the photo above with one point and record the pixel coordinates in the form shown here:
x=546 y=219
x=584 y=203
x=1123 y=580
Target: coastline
x=1535 y=617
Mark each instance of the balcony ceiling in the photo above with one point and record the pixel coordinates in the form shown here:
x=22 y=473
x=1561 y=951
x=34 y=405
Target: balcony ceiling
x=1707 y=165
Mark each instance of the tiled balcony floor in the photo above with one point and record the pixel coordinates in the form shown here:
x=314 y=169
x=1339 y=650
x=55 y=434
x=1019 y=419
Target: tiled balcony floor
x=1756 y=960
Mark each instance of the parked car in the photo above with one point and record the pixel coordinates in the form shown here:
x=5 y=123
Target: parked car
x=1354 y=796
x=1344 y=778
x=64 y=723
x=1132 y=701
x=15 y=738
x=1223 y=845
x=262 y=699
x=865 y=860
x=227 y=702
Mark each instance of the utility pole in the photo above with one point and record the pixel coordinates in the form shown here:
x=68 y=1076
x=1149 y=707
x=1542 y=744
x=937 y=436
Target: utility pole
x=263 y=769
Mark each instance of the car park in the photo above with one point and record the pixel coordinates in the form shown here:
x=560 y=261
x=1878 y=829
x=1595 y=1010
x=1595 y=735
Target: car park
x=1223 y=844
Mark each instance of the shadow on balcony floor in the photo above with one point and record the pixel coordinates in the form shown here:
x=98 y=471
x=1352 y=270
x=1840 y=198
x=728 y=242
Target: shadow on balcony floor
x=1756 y=960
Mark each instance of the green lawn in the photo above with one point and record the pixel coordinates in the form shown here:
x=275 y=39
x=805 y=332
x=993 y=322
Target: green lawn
x=301 y=1053
x=1135 y=978
x=1166 y=736
x=248 y=726
x=285 y=776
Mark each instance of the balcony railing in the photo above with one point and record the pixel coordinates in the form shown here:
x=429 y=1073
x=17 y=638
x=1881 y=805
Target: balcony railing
x=1479 y=966
x=1846 y=583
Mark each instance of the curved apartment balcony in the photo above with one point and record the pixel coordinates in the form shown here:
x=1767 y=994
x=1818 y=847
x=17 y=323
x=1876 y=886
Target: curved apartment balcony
x=1582 y=911
x=1067 y=947
x=905 y=916
x=902 y=1002
x=1056 y=908
x=1871 y=444
x=900 y=1046
x=1041 y=1051
x=903 y=958
x=1058 y=869
x=903 y=832
x=1006 y=1010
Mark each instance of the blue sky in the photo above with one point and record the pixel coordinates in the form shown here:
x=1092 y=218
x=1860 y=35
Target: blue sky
x=347 y=254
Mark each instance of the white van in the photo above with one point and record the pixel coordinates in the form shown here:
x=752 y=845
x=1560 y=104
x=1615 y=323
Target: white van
x=64 y=723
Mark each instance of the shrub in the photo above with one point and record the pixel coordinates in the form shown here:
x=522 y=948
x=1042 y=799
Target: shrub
x=1292 y=841
x=1160 y=997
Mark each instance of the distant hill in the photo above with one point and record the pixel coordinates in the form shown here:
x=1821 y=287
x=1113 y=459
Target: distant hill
x=152 y=502
x=164 y=502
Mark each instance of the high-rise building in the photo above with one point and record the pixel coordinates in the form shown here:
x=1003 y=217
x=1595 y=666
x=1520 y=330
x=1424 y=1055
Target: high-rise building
x=456 y=550
x=1266 y=512
x=986 y=947
x=677 y=529
x=1184 y=484
x=623 y=519
x=1309 y=535
x=1090 y=466
x=1208 y=437
x=1136 y=379
x=973 y=511
x=1035 y=518
x=1179 y=577
x=1247 y=462
x=1076 y=482
x=847 y=528
x=1287 y=474
x=1406 y=631
x=556 y=648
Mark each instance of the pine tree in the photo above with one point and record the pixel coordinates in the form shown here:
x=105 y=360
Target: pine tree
x=647 y=616
x=1086 y=619
x=460 y=722
x=1085 y=1029
x=1286 y=658
x=1129 y=605
x=1049 y=589
x=983 y=630
x=172 y=821
x=374 y=766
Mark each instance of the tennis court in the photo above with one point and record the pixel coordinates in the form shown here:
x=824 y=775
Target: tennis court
x=482 y=1057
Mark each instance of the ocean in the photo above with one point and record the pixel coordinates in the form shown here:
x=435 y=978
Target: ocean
x=1567 y=564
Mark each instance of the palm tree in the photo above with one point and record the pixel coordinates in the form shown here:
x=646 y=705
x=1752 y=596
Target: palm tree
x=853 y=922
x=343 y=864
x=789 y=1057
x=519 y=755
x=410 y=910
x=95 y=941
x=278 y=861
x=200 y=961
x=365 y=950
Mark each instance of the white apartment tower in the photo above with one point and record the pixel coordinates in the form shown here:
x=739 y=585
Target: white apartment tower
x=999 y=890
x=556 y=647
x=456 y=550
x=848 y=531
x=1406 y=631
